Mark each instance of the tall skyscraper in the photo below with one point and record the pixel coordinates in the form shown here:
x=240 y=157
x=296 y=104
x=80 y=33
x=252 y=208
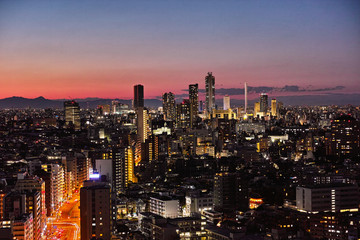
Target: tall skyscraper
x=256 y=108
x=72 y=114
x=143 y=124
x=274 y=107
x=183 y=114
x=118 y=168
x=169 y=106
x=129 y=167
x=122 y=168
x=226 y=102
x=143 y=132
x=138 y=96
x=210 y=92
x=263 y=102
x=194 y=102
x=246 y=103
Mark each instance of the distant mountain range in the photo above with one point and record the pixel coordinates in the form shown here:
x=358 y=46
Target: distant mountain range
x=310 y=100
x=41 y=102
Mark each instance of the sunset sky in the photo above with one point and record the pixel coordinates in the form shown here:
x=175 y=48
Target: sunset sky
x=79 y=49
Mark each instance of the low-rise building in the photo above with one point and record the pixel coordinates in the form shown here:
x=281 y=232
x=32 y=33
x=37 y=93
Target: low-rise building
x=330 y=197
x=196 y=203
x=165 y=206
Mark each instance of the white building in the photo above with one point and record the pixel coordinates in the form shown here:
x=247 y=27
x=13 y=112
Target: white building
x=197 y=203
x=330 y=197
x=226 y=102
x=165 y=206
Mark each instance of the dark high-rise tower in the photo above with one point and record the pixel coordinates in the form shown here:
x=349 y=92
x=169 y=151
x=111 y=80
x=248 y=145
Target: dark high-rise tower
x=169 y=106
x=210 y=92
x=95 y=211
x=230 y=191
x=345 y=137
x=183 y=114
x=72 y=114
x=122 y=168
x=194 y=103
x=263 y=102
x=138 y=96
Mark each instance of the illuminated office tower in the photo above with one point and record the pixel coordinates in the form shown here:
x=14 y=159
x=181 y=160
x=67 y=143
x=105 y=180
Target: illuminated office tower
x=150 y=149
x=210 y=92
x=169 y=106
x=256 y=108
x=194 y=102
x=333 y=197
x=183 y=114
x=72 y=114
x=226 y=102
x=274 y=107
x=95 y=211
x=129 y=167
x=138 y=96
x=345 y=137
x=143 y=124
x=123 y=159
x=117 y=157
x=263 y=102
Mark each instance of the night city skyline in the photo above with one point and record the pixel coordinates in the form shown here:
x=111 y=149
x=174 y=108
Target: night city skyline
x=180 y=120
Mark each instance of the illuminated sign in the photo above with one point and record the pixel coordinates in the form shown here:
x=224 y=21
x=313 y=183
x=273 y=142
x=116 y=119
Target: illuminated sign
x=95 y=176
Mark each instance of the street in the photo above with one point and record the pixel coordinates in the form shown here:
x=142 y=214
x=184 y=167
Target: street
x=65 y=224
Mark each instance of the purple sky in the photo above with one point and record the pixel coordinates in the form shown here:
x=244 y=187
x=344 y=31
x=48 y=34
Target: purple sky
x=78 y=49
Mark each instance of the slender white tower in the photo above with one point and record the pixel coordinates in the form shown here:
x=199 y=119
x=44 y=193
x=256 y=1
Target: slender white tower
x=226 y=102
x=245 y=97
